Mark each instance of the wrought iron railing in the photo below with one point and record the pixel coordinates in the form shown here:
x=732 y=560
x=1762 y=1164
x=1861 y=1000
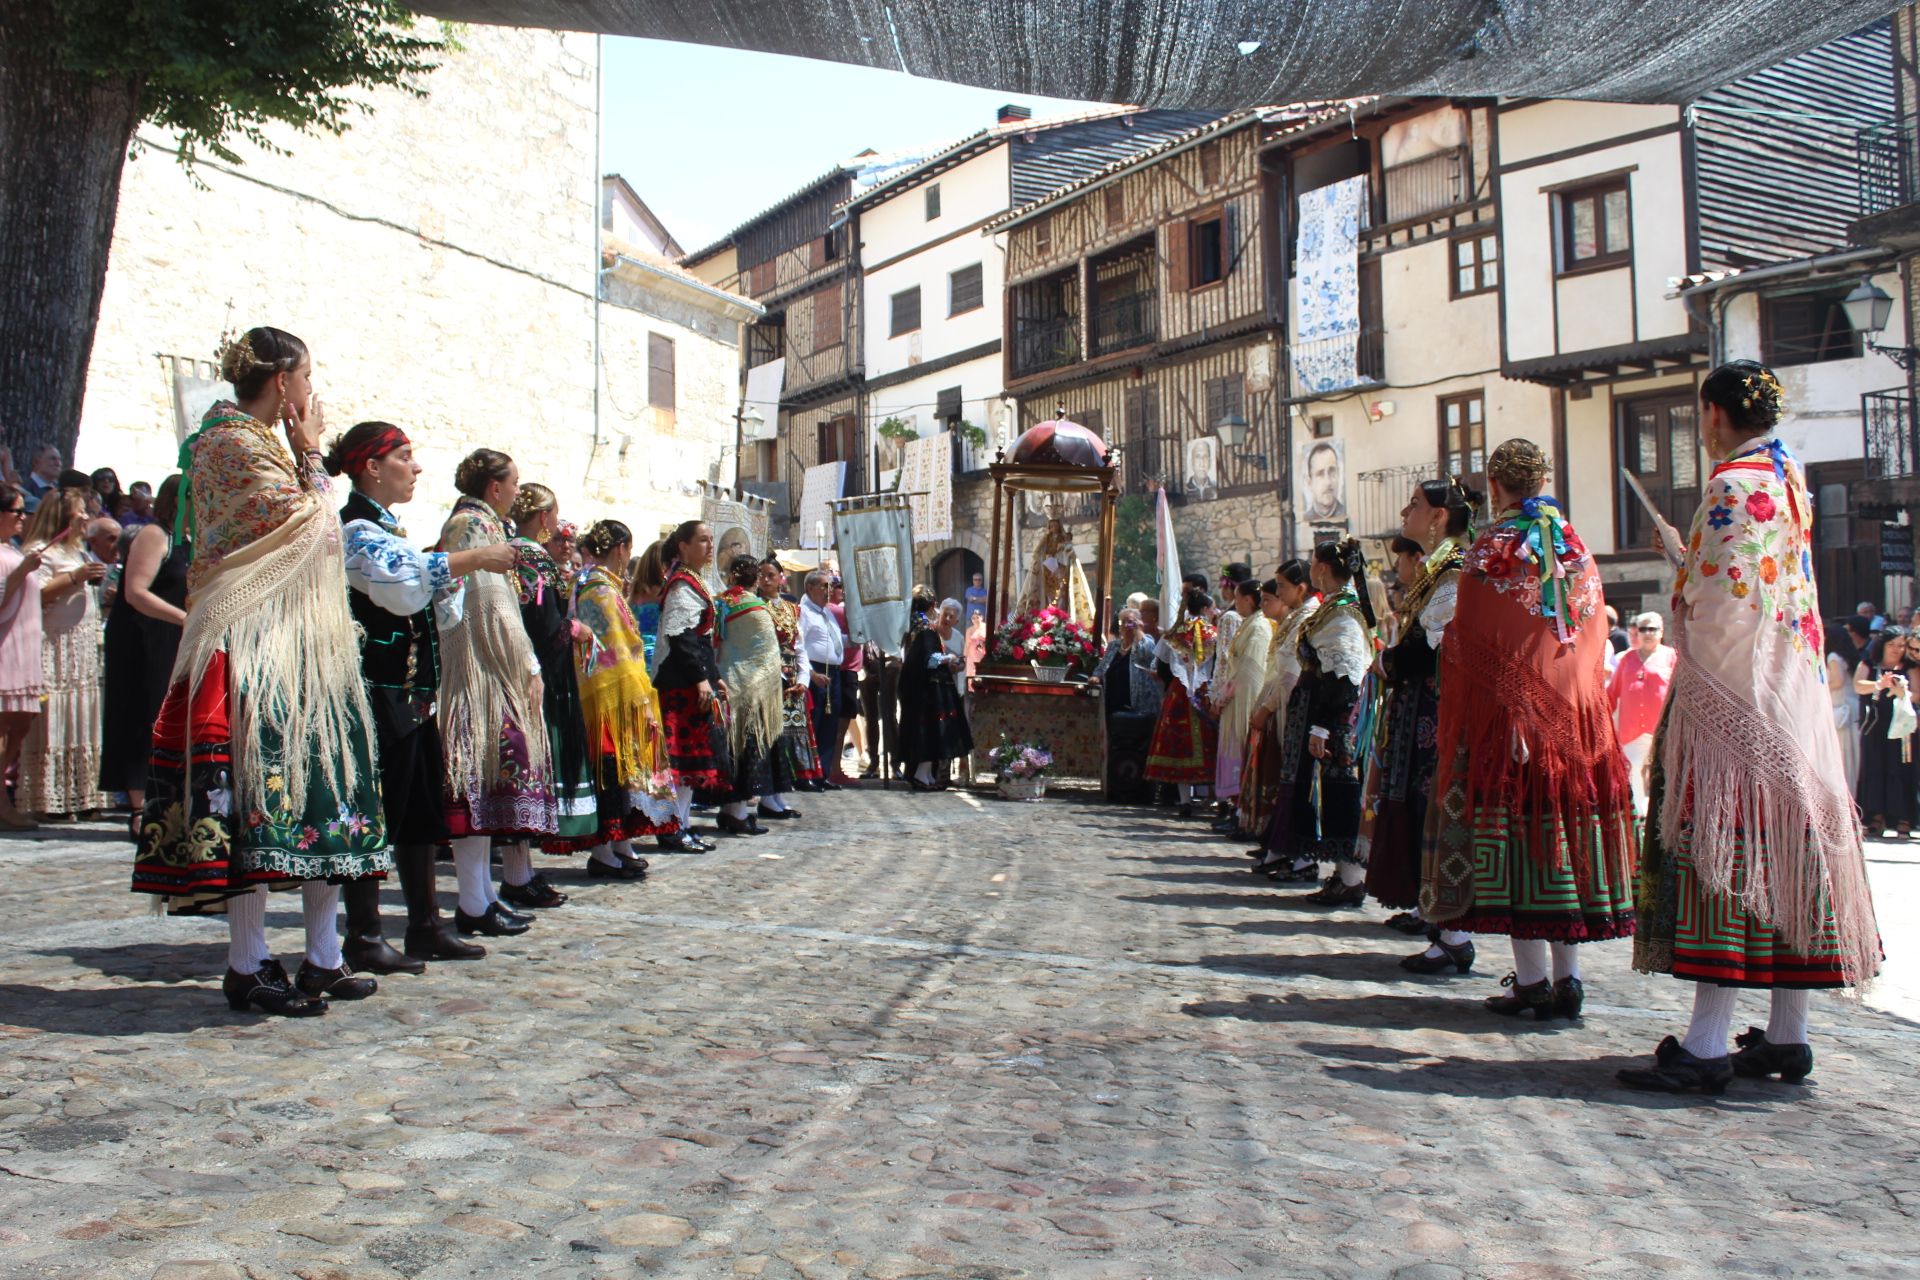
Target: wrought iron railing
x=1380 y=496
x=1893 y=434
x=1427 y=185
x=1889 y=159
x=1039 y=345
x=1125 y=320
x=1346 y=360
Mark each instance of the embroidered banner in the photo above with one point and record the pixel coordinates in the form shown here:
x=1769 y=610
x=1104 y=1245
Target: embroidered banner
x=876 y=561
x=821 y=486
x=737 y=529
x=926 y=468
x=1326 y=290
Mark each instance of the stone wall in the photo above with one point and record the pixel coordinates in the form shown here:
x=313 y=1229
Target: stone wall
x=439 y=259
x=1214 y=533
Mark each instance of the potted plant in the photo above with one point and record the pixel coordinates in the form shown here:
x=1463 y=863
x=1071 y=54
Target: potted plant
x=1053 y=643
x=1020 y=769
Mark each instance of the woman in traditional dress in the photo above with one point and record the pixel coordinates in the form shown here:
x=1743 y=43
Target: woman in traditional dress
x=142 y=636
x=1538 y=838
x=1439 y=520
x=22 y=671
x=543 y=569
x=492 y=705
x=1888 y=773
x=802 y=758
x=1322 y=736
x=1287 y=600
x=622 y=712
x=60 y=768
x=1181 y=752
x=646 y=584
x=692 y=694
x=749 y=655
x=933 y=723
x=1236 y=689
x=1752 y=872
x=400 y=596
x=263 y=771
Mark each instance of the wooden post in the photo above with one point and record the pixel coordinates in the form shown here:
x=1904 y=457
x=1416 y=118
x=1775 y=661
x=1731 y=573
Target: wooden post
x=995 y=587
x=1107 y=499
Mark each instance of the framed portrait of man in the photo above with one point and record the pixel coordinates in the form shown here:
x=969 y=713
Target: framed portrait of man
x=1323 y=483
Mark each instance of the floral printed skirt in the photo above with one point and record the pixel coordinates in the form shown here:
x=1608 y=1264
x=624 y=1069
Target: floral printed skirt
x=518 y=802
x=197 y=846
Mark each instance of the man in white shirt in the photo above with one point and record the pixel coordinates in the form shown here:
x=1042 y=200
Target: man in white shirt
x=825 y=646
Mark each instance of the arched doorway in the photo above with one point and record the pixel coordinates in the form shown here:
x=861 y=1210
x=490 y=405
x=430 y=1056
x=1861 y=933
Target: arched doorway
x=953 y=572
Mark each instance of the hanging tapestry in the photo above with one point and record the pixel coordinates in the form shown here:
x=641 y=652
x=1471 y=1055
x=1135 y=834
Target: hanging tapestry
x=926 y=477
x=1326 y=290
x=822 y=484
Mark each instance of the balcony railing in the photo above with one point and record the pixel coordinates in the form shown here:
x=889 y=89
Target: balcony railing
x=1893 y=434
x=1335 y=364
x=1427 y=185
x=1381 y=495
x=1889 y=157
x=1039 y=345
x=1125 y=320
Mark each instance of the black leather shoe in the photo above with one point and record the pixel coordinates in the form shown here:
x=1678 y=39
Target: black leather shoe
x=535 y=894
x=438 y=941
x=495 y=922
x=1535 y=998
x=511 y=916
x=1335 y=894
x=1408 y=923
x=335 y=984
x=1757 y=1058
x=1674 y=1070
x=740 y=826
x=680 y=842
x=268 y=991
x=1569 y=995
x=598 y=870
x=375 y=956
x=779 y=815
x=825 y=785
x=1459 y=959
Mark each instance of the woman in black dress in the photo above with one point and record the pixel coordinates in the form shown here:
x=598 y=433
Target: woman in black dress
x=1888 y=778
x=143 y=632
x=933 y=723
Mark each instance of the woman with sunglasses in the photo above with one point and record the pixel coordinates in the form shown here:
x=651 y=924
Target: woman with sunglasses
x=22 y=676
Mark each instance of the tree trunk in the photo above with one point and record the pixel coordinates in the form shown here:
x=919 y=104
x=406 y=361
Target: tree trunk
x=63 y=140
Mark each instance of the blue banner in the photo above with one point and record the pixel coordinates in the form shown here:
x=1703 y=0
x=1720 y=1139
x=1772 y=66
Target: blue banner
x=875 y=542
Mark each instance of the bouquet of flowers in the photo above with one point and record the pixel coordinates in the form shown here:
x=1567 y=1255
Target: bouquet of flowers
x=1050 y=637
x=1021 y=760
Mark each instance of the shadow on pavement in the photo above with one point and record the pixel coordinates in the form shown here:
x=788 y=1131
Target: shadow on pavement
x=116 y=1011
x=151 y=961
x=1584 y=1077
x=1414 y=1011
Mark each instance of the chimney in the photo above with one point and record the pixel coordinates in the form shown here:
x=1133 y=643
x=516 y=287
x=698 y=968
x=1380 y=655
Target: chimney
x=1013 y=111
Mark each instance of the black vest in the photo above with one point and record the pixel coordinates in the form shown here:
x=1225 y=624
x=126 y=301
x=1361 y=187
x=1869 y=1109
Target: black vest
x=399 y=657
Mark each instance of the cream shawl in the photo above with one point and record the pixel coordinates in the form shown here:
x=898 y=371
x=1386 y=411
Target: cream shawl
x=487 y=663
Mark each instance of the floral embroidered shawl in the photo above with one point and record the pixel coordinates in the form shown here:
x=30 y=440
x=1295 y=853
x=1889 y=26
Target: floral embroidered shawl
x=749 y=654
x=1749 y=750
x=616 y=697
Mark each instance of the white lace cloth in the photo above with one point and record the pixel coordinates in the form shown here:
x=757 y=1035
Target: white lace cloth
x=1437 y=614
x=1342 y=646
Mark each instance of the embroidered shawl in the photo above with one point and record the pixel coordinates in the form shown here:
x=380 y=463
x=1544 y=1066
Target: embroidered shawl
x=616 y=697
x=1283 y=662
x=1238 y=687
x=267 y=586
x=749 y=654
x=1749 y=752
x=487 y=661
x=1338 y=638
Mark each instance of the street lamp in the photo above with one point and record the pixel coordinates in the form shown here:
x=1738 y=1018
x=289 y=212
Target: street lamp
x=1868 y=309
x=1232 y=430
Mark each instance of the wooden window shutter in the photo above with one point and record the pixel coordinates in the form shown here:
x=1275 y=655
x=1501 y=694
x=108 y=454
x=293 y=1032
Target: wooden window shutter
x=1116 y=202
x=1043 y=235
x=947 y=404
x=1178 y=242
x=660 y=372
x=760 y=277
x=1229 y=239
x=826 y=319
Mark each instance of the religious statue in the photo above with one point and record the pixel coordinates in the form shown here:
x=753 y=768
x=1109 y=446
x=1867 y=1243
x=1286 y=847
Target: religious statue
x=1056 y=578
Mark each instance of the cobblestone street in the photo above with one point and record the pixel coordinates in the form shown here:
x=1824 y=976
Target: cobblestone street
x=913 y=1036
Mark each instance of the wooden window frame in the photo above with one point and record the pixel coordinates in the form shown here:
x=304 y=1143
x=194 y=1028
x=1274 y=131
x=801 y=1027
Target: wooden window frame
x=1320 y=427
x=1193 y=225
x=980 y=300
x=1479 y=266
x=1773 y=357
x=1609 y=259
x=840 y=430
x=1043 y=236
x=894 y=330
x=1463 y=399
x=932 y=201
x=657 y=373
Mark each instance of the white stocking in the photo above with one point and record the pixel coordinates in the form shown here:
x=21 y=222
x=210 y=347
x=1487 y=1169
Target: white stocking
x=622 y=848
x=1787 y=1019
x=737 y=810
x=683 y=805
x=1530 y=963
x=247 y=931
x=924 y=774
x=470 y=870
x=320 y=903
x=605 y=856
x=1351 y=873
x=776 y=802
x=516 y=864
x=1454 y=938
x=1712 y=1021
x=1566 y=960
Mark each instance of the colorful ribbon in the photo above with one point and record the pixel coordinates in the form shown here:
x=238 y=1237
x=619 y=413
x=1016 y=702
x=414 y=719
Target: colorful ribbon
x=1543 y=543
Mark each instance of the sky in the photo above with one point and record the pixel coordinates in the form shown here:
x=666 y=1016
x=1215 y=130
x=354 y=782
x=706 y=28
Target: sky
x=709 y=137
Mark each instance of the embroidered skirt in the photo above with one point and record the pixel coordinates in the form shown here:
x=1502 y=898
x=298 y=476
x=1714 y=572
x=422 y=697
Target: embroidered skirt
x=1184 y=741
x=1412 y=719
x=1259 y=781
x=197 y=846
x=517 y=803
x=697 y=749
x=796 y=736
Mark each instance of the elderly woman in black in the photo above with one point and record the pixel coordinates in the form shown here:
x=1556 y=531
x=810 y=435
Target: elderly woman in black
x=933 y=723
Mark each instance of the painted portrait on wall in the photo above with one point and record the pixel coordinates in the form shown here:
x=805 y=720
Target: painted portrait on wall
x=1323 y=482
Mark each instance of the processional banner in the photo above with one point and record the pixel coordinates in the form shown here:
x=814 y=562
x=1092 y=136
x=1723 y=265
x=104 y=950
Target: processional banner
x=875 y=538
x=1326 y=291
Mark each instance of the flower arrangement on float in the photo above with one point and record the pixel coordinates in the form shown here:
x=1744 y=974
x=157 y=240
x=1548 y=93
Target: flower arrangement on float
x=1050 y=639
x=1020 y=769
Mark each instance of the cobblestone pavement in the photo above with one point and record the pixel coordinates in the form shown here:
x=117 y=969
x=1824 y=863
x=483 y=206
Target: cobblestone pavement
x=917 y=1036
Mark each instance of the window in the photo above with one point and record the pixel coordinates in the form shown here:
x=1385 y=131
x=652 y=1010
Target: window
x=1116 y=205
x=837 y=443
x=660 y=372
x=830 y=244
x=1322 y=427
x=1594 y=227
x=827 y=322
x=764 y=457
x=933 y=202
x=1476 y=265
x=964 y=292
x=1806 y=328
x=1207 y=253
x=1463 y=435
x=1043 y=235
x=906 y=311
x=1225 y=396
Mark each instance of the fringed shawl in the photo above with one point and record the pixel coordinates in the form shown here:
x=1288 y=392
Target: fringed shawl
x=1749 y=751
x=269 y=587
x=749 y=655
x=622 y=712
x=1238 y=688
x=1525 y=713
x=487 y=662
